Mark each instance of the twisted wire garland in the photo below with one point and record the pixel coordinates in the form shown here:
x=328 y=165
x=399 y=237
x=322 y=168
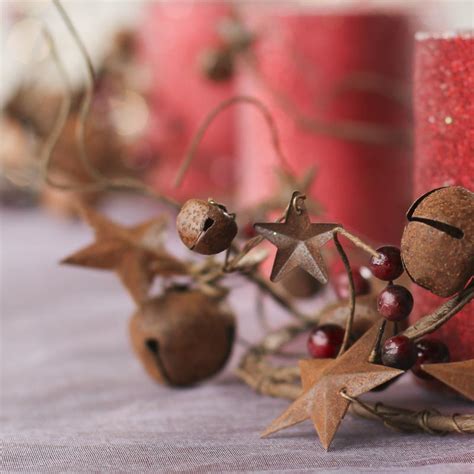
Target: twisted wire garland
x=430 y=421
x=253 y=369
x=280 y=382
x=283 y=382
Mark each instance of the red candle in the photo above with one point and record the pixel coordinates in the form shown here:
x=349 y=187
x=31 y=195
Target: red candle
x=174 y=37
x=333 y=67
x=444 y=149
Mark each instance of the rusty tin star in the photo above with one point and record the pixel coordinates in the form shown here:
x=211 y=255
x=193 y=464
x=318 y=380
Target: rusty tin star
x=298 y=240
x=324 y=383
x=457 y=375
x=136 y=254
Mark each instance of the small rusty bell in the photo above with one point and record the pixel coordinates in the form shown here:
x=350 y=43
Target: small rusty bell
x=205 y=226
x=217 y=64
x=438 y=242
x=183 y=336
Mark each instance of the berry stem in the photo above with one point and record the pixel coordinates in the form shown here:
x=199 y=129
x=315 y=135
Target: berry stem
x=375 y=354
x=350 y=318
x=395 y=327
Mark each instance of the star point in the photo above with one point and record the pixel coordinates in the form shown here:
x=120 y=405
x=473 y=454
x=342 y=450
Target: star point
x=457 y=375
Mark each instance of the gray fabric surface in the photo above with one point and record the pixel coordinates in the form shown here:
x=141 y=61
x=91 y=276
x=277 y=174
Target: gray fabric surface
x=74 y=399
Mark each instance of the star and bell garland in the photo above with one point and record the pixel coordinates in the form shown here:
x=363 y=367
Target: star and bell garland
x=136 y=254
x=329 y=385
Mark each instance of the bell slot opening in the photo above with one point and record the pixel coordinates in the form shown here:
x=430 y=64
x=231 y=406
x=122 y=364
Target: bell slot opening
x=208 y=223
x=451 y=230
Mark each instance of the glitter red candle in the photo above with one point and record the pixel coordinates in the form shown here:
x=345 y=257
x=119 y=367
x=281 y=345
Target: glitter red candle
x=444 y=148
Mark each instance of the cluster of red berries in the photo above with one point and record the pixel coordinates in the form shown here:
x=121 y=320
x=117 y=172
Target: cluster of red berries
x=394 y=303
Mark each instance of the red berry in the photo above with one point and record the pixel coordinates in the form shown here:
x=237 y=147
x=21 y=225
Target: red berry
x=430 y=351
x=325 y=341
x=399 y=352
x=395 y=303
x=388 y=265
x=341 y=284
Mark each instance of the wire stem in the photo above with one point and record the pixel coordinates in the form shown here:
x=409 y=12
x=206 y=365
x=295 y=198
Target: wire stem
x=88 y=96
x=191 y=152
x=64 y=108
x=357 y=242
x=441 y=315
x=100 y=182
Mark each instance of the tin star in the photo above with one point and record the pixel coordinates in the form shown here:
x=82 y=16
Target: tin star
x=136 y=253
x=323 y=382
x=298 y=241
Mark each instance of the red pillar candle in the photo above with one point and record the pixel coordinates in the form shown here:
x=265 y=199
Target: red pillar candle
x=174 y=36
x=333 y=67
x=444 y=149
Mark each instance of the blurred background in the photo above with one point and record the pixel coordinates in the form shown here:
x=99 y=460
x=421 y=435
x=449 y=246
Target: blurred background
x=337 y=77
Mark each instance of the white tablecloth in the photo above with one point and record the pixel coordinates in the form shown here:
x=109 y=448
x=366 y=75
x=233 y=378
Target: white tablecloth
x=74 y=399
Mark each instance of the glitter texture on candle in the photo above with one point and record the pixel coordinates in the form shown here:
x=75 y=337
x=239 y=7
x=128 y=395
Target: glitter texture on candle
x=444 y=149
x=444 y=111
